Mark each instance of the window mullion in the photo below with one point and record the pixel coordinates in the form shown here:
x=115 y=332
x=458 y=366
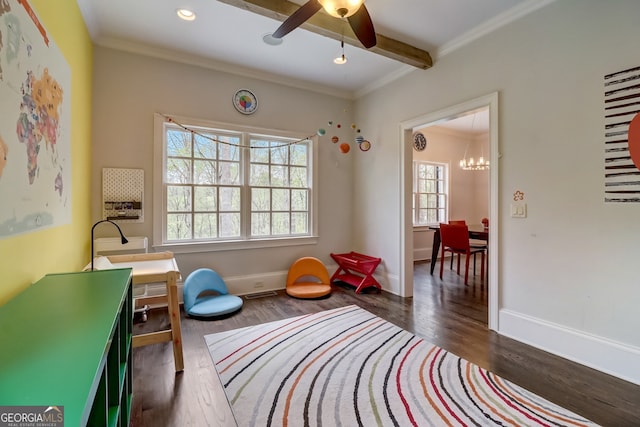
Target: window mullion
x=270 y=208
x=245 y=186
x=192 y=184
x=270 y=166
x=290 y=212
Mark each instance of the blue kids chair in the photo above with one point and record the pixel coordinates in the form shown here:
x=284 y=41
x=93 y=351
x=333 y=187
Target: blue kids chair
x=210 y=304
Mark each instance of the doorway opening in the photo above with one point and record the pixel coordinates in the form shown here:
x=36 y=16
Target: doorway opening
x=453 y=115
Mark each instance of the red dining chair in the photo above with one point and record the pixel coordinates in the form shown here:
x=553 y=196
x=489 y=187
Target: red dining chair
x=455 y=239
x=460 y=222
x=474 y=245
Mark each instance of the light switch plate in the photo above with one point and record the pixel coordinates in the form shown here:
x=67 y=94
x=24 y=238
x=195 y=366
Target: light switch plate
x=518 y=210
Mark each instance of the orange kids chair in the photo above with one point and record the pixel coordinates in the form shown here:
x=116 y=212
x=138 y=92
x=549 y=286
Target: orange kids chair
x=308 y=278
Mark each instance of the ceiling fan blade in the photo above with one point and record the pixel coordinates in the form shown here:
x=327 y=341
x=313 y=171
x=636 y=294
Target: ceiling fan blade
x=297 y=18
x=363 y=27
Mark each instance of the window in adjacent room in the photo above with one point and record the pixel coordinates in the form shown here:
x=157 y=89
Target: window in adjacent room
x=430 y=192
x=226 y=184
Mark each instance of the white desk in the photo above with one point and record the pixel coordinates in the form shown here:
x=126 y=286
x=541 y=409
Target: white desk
x=155 y=268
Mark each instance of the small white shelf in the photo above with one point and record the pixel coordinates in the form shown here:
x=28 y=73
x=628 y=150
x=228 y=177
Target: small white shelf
x=114 y=244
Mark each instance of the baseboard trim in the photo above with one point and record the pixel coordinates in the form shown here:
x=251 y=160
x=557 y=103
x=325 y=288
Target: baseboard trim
x=422 y=254
x=276 y=280
x=253 y=283
x=608 y=356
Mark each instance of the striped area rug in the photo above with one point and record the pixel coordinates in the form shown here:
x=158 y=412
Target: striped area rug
x=347 y=367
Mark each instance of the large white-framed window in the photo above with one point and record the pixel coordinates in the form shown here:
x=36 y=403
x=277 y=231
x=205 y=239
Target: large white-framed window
x=220 y=186
x=430 y=193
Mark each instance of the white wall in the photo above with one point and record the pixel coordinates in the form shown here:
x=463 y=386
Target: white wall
x=129 y=89
x=568 y=273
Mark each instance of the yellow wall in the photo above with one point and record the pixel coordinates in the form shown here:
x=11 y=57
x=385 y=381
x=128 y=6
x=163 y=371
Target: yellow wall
x=26 y=258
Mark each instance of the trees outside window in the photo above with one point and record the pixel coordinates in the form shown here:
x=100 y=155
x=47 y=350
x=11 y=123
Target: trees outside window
x=231 y=185
x=430 y=193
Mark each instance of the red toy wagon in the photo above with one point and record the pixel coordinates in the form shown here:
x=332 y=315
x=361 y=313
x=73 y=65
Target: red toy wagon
x=356 y=269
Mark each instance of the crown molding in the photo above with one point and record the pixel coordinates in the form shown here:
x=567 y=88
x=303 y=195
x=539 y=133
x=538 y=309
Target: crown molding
x=195 y=60
x=491 y=25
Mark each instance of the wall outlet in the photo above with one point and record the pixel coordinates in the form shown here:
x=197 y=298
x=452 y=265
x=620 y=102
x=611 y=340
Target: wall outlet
x=258 y=285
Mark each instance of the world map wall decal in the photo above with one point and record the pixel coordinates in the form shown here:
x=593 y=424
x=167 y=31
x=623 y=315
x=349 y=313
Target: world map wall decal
x=35 y=147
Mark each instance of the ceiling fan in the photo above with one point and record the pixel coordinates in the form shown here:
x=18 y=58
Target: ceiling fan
x=353 y=10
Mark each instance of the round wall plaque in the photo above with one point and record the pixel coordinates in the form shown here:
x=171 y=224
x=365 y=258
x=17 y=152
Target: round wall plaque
x=245 y=101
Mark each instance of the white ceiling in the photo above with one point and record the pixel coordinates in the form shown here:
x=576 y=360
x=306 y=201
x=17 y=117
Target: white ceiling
x=230 y=39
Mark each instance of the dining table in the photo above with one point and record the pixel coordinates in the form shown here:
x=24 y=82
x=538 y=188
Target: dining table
x=476 y=232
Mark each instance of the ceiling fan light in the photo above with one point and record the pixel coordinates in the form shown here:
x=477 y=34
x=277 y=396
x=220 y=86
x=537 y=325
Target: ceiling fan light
x=340 y=60
x=341 y=8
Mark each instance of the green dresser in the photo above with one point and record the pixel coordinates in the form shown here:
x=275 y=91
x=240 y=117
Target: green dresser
x=66 y=341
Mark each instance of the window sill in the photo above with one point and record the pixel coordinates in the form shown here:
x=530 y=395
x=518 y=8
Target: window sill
x=185 y=248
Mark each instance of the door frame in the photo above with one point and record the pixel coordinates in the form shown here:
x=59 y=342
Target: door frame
x=406 y=171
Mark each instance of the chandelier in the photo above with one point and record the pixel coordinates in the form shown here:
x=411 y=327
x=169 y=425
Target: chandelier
x=469 y=164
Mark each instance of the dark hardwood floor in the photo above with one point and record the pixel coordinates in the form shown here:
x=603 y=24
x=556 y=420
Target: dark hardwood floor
x=446 y=313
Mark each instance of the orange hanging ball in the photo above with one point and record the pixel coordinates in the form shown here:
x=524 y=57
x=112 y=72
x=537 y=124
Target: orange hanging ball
x=344 y=147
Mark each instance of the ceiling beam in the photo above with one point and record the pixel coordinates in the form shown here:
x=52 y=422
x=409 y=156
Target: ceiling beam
x=334 y=28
